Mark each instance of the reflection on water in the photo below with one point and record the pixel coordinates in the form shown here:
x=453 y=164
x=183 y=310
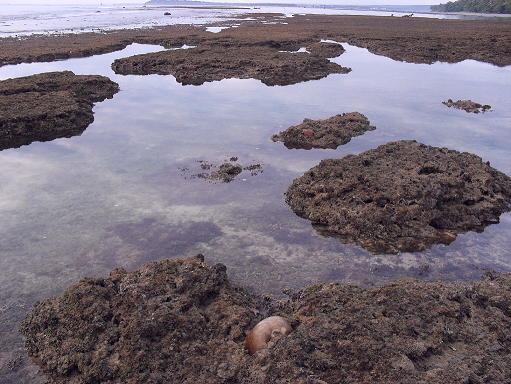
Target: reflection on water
x=115 y=196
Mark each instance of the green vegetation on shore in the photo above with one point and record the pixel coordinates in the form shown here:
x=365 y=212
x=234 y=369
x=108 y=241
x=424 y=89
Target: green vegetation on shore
x=479 y=6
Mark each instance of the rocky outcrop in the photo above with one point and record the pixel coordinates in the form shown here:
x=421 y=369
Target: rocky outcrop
x=330 y=133
x=182 y=321
x=214 y=61
x=172 y=321
x=49 y=105
x=401 y=196
x=467 y=106
x=325 y=49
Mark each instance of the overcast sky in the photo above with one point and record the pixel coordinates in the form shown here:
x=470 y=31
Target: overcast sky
x=340 y=2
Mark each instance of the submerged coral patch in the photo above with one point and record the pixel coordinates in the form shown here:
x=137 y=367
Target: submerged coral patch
x=401 y=196
x=224 y=173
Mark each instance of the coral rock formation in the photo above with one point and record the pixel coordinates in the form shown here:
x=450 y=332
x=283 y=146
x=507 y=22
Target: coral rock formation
x=330 y=133
x=401 y=196
x=467 y=106
x=215 y=61
x=49 y=105
x=182 y=321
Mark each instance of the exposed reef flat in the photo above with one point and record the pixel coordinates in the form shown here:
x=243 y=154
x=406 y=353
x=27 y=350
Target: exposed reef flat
x=411 y=39
x=182 y=321
x=325 y=133
x=467 y=105
x=402 y=196
x=49 y=105
x=216 y=60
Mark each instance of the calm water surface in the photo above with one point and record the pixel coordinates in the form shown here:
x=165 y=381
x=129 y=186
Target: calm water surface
x=123 y=193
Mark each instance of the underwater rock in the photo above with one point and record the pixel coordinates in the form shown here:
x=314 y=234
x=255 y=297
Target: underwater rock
x=467 y=105
x=330 y=133
x=182 y=321
x=49 y=105
x=226 y=172
x=403 y=196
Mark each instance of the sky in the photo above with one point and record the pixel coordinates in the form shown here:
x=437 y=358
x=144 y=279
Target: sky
x=340 y=2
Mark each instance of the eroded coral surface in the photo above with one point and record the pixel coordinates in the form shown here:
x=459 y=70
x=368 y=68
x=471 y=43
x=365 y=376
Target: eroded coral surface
x=411 y=39
x=401 y=196
x=49 y=105
x=216 y=60
x=182 y=321
x=325 y=133
x=467 y=105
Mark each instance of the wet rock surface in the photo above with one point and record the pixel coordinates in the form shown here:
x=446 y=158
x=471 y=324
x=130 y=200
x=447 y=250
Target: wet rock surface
x=49 y=105
x=467 y=106
x=411 y=39
x=325 y=49
x=402 y=196
x=172 y=321
x=182 y=321
x=329 y=133
x=217 y=60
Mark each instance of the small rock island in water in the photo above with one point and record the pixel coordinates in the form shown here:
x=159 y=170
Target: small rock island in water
x=183 y=321
x=210 y=61
x=329 y=133
x=49 y=105
x=467 y=106
x=402 y=196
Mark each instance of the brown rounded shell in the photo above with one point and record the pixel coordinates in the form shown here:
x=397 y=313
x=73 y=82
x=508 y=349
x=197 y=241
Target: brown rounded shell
x=262 y=332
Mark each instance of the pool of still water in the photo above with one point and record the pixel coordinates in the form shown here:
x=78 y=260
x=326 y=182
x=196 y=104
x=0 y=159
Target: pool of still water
x=123 y=193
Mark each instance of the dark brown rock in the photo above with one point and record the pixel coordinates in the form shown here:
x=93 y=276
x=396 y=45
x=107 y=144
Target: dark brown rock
x=401 y=196
x=330 y=133
x=227 y=172
x=467 y=105
x=404 y=332
x=182 y=321
x=216 y=61
x=49 y=105
x=172 y=321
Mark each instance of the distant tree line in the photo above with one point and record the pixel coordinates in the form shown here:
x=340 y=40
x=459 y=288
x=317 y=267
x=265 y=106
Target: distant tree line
x=479 y=6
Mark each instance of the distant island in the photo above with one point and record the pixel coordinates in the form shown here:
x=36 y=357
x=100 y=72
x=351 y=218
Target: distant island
x=175 y=2
x=478 y=6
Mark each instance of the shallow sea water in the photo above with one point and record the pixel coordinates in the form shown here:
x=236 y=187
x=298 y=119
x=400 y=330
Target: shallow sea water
x=123 y=193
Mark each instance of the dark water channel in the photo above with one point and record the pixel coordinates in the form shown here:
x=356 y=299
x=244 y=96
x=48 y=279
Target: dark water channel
x=124 y=192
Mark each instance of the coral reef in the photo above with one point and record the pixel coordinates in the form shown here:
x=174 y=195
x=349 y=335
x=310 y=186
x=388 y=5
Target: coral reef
x=182 y=321
x=329 y=133
x=402 y=196
x=49 y=105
